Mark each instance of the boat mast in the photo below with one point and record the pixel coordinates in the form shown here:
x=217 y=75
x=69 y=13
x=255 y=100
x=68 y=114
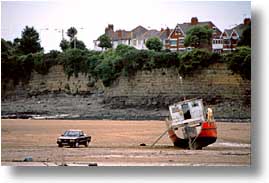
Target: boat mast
x=182 y=88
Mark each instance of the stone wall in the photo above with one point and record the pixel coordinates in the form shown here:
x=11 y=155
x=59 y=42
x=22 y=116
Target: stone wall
x=228 y=94
x=57 y=81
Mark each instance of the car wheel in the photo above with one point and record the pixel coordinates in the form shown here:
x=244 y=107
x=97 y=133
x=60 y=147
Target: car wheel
x=60 y=145
x=87 y=144
x=76 y=145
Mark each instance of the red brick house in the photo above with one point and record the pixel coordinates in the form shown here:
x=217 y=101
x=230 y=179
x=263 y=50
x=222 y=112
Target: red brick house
x=232 y=36
x=175 y=41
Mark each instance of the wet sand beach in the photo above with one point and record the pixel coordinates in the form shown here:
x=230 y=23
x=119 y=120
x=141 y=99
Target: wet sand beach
x=117 y=143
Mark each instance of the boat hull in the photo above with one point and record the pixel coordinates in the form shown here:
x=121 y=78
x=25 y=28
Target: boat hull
x=207 y=136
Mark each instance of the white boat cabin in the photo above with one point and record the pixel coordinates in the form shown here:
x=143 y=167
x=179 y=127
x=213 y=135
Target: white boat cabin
x=187 y=112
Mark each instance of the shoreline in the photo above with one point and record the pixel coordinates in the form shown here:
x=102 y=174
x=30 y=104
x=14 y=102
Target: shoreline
x=90 y=107
x=78 y=117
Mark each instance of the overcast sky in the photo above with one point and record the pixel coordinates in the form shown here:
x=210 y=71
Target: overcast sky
x=91 y=17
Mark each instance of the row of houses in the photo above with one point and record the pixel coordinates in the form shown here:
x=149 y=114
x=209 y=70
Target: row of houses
x=173 y=39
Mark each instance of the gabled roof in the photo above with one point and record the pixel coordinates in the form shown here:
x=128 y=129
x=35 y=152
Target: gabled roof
x=121 y=35
x=175 y=29
x=184 y=27
x=239 y=29
x=127 y=35
x=148 y=34
x=139 y=30
x=163 y=34
x=187 y=26
x=228 y=32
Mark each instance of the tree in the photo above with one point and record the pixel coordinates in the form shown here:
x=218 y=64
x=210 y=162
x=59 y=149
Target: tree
x=198 y=37
x=67 y=44
x=29 y=42
x=79 y=44
x=72 y=32
x=74 y=61
x=64 y=44
x=104 y=41
x=154 y=43
x=6 y=49
x=239 y=61
x=123 y=49
x=246 y=37
x=74 y=42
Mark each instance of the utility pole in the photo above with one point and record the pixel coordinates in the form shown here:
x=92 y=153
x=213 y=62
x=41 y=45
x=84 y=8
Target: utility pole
x=62 y=34
x=60 y=31
x=75 y=38
x=181 y=83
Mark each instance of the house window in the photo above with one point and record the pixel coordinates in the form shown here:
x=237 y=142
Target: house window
x=173 y=42
x=226 y=41
x=217 y=41
x=181 y=41
x=134 y=42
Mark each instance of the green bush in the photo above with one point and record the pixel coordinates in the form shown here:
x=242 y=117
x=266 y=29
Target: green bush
x=154 y=43
x=39 y=64
x=105 y=71
x=197 y=58
x=43 y=62
x=122 y=49
x=17 y=68
x=165 y=59
x=108 y=67
x=126 y=61
x=92 y=61
x=134 y=60
x=74 y=61
x=110 y=64
x=239 y=61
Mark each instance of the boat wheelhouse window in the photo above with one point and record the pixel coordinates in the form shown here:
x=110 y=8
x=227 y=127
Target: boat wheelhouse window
x=194 y=104
x=186 y=111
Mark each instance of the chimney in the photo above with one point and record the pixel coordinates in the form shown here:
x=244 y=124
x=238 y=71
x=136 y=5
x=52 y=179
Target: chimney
x=247 y=21
x=167 y=31
x=194 y=20
x=109 y=29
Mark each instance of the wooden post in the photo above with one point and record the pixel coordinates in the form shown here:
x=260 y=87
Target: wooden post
x=160 y=136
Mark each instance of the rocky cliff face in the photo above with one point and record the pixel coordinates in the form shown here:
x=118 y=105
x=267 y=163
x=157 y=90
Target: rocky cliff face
x=57 y=81
x=228 y=94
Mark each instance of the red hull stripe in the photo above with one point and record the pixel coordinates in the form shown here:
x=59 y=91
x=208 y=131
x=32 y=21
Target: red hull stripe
x=209 y=129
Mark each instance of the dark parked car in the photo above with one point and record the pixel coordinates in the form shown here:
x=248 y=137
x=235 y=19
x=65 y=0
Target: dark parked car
x=73 y=138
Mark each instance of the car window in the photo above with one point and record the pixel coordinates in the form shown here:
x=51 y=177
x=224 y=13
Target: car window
x=71 y=134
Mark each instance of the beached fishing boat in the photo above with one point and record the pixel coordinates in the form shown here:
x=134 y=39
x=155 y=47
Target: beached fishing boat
x=189 y=126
